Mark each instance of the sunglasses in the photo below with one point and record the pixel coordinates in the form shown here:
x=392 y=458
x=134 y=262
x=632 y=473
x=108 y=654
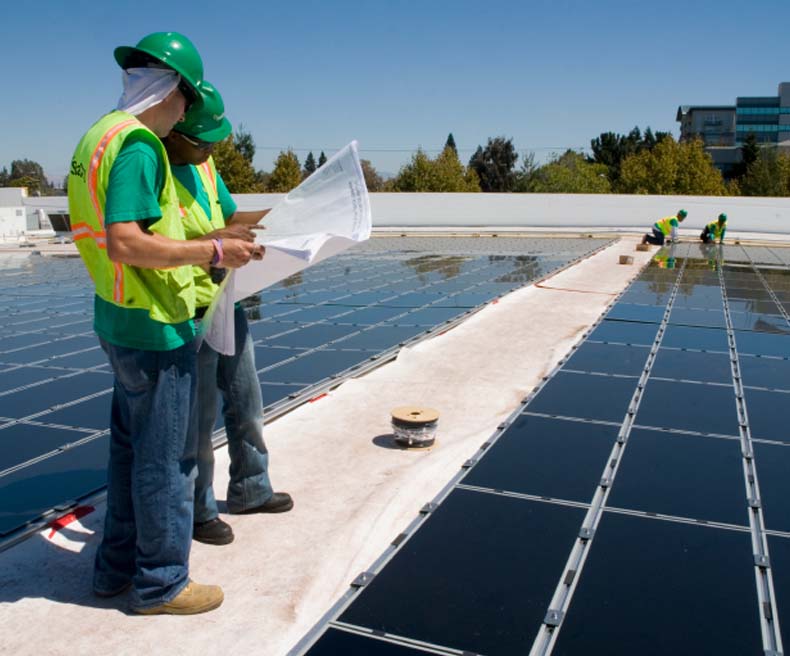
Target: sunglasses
x=197 y=143
x=189 y=94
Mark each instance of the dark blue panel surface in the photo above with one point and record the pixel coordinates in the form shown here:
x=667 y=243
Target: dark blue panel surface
x=81 y=360
x=314 y=366
x=585 y=395
x=266 y=356
x=760 y=343
x=547 y=458
x=702 y=318
x=704 y=339
x=641 y=313
x=768 y=414
x=342 y=643
x=773 y=472
x=28 y=492
x=609 y=358
x=265 y=329
x=21 y=442
x=274 y=393
x=372 y=315
x=19 y=376
x=779 y=552
x=479 y=560
x=625 y=332
x=62 y=390
x=92 y=413
x=312 y=336
x=682 y=475
x=431 y=316
x=765 y=372
x=764 y=323
x=692 y=365
x=688 y=406
x=380 y=337
x=655 y=588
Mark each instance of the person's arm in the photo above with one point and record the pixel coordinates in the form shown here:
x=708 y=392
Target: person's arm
x=721 y=239
x=129 y=244
x=673 y=235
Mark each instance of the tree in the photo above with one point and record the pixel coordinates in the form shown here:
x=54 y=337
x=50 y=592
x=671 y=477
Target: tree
x=244 y=143
x=27 y=173
x=671 y=168
x=373 y=180
x=321 y=159
x=750 y=153
x=526 y=173
x=4 y=177
x=768 y=175
x=450 y=143
x=494 y=165
x=235 y=169
x=287 y=173
x=611 y=149
x=309 y=164
x=570 y=173
x=444 y=174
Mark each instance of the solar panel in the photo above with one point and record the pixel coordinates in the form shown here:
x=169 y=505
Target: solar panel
x=671 y=457
x=310 y=330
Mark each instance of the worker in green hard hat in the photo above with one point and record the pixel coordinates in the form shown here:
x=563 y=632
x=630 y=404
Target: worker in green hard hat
x=128 y=229
x=715 y=230
x=665 y=229
x=207 y=205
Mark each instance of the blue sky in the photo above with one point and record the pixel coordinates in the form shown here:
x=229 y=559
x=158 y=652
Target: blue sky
x=397 y=75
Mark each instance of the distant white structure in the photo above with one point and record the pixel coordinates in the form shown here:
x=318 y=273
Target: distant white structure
x=13 y=218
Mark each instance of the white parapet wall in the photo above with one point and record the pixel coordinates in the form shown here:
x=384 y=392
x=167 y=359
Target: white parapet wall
x=585 y=211
x=745 y=214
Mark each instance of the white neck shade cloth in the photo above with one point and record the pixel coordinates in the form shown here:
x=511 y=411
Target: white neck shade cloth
x=144 y=88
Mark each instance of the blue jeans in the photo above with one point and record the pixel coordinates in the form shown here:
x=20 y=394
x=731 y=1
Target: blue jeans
x=242 y=408
x=153 y=449
x=657 y=238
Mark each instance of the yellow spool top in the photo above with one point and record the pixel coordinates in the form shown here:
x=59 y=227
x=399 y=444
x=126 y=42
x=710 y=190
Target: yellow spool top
x=412 y=414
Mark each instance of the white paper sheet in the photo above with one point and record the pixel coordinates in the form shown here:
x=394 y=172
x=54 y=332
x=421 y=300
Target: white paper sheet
x=326 y=214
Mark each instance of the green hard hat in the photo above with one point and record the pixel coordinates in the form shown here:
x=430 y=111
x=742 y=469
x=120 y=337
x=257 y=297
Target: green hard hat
x=682 y=214
x=172 y=49
x=722 y=218
x=205 y=120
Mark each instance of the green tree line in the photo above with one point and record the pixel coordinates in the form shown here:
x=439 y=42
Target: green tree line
x=633 y=163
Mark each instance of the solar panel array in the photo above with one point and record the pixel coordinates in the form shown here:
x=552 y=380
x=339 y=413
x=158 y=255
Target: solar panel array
x=637 y=503
x=331 y=321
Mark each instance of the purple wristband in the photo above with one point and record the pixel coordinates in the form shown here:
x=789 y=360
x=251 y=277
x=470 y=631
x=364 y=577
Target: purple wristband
x=218 y=254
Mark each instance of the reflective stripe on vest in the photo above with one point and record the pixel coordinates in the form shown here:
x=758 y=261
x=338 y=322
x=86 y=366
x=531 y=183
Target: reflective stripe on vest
x=167 y=294
x=665 y=225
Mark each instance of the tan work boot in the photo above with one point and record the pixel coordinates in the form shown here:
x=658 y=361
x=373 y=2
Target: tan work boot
x=193 y=599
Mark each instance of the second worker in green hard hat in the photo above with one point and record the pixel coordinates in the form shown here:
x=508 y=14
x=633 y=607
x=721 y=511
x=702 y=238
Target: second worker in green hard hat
x=206 y=205
x=715 y=230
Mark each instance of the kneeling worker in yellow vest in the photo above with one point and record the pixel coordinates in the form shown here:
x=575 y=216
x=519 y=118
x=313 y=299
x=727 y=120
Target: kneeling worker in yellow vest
x=714 y=230
x=665 y=229
x=128 y=229
x=206 y=205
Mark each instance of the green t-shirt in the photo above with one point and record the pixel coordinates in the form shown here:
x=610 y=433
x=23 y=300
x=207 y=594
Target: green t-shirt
x=133 y=190
x=188 y=176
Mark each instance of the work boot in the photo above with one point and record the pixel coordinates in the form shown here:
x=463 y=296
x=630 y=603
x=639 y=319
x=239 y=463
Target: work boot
x=193 y=599
x=214 y=531
x=280 y=502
